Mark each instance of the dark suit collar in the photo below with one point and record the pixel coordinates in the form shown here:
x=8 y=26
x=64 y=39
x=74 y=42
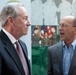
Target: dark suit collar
x=9 y=47
x=59 y=53
x=4 y=37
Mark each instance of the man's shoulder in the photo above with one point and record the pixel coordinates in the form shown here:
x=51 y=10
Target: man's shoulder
x=54 y=47
x=1 y=45
x=1 y=41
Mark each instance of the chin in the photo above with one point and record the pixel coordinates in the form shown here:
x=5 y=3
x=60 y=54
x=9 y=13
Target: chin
x=25 y=33
x=61 y=39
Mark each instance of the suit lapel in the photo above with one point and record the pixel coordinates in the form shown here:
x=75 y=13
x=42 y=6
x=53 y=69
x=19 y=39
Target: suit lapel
x=59 y=56
x=24 y=48
x=9 y=47
x=73 y=63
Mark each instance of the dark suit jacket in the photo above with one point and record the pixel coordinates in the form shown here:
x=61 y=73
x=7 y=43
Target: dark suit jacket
x=55 y=58
x=0 y=65
x=10 y=61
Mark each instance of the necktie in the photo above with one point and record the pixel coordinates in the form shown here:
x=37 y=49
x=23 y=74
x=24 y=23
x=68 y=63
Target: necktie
x=22 y=58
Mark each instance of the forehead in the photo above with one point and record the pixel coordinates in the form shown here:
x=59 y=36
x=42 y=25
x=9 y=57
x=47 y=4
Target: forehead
x=22 y=11
x=67 y=20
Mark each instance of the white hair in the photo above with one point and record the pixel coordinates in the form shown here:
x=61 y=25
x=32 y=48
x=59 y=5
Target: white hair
x=11 y=9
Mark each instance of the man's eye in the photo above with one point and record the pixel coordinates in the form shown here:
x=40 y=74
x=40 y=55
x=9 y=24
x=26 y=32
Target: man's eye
x=25 y=18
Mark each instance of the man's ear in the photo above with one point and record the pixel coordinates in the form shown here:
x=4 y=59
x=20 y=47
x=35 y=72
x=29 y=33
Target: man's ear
x=75 y=30
x=10 y=19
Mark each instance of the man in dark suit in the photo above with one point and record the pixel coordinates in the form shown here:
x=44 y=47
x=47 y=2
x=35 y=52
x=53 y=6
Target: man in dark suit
x=62 y=56
x=15 y=23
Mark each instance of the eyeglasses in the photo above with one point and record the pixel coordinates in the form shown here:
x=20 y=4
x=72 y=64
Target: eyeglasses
x=64 y=25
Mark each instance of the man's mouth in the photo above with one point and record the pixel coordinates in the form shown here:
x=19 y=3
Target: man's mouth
x=61 y=33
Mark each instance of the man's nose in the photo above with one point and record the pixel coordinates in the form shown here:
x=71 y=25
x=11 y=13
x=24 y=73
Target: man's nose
x=28 y=23
x=60 y=27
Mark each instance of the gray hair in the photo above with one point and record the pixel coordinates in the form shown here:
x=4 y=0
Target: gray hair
x=11 y=9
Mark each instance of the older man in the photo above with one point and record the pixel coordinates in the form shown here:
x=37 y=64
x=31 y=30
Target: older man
x=62 y=56
x=15 y=23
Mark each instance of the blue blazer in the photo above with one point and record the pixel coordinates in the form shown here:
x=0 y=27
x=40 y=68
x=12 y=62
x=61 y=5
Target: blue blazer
x=55 y=60
x=10 y=61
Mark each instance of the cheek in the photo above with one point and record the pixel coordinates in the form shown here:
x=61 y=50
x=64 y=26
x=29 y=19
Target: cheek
x=20 y=25
x=70 y=33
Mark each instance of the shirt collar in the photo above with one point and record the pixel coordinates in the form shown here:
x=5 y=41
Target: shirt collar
x=12 y=39
x=73 y=44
